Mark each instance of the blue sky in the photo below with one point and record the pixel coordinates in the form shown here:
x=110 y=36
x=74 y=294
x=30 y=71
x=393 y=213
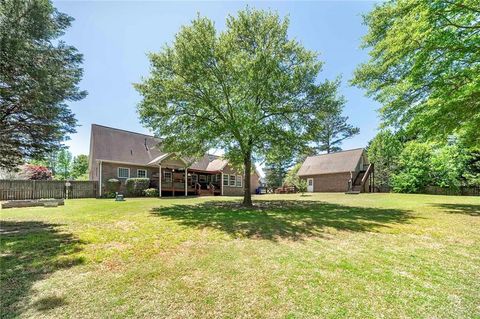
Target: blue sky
x=114 y=38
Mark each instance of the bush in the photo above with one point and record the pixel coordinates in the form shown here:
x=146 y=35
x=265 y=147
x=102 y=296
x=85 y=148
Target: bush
x=36 y=172
x=112 y=186
x=151 y=192
x=302 y=186
x=136 y=186
x=110 y=195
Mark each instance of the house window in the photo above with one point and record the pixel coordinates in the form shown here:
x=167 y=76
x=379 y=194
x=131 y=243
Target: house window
x=123 y=172
x=232 y=180
x=167 y=176
x=141 y=173
x=239 y=181
x=194 y=178
x=203 y=178
x=225 y=180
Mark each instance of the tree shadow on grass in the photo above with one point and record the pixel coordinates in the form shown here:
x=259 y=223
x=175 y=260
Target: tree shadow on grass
x=274 y=220
x=30 y=251
x=472 y=210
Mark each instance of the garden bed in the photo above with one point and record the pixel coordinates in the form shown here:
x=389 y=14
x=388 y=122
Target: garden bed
x=50 y=202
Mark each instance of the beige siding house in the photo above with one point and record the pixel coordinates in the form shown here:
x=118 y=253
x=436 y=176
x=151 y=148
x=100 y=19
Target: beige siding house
x=345 y=171
x=120 y=154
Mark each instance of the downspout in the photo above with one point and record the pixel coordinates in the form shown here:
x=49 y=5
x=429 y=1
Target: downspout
x=100 y=180
x=221 y=185
x=160 y=180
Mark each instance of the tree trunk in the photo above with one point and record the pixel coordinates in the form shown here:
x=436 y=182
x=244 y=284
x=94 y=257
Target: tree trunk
x=247 y=196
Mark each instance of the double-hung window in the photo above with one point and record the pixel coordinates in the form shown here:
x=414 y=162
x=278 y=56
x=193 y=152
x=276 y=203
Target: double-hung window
x=225 y=180
x=141 y=173
x=123 y=172
x=239 y=180
x=232 y=180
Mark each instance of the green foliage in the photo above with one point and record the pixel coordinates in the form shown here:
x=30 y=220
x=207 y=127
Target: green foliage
x=151 y=192
x=63 y=165
x=471 y=173
x=112 y=185
x=292 y=179
x=80 y=167
x=39 y=73
x=275 y=173
x=424 y=67
x=384 y=150
x=136 y=186
x=301 y=186
x=332 y=128
x=447 y=165
x=413 y=172
x=248 y=90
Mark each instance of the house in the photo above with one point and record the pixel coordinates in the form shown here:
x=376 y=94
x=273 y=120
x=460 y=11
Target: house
x=120 y=154
x=345 y=171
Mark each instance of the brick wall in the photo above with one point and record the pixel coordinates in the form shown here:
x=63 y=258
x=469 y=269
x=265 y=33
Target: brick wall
x=337 y=182
x=238 y=191
x=110 y=170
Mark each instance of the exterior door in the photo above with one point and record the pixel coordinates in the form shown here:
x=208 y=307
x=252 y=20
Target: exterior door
x=310 y=185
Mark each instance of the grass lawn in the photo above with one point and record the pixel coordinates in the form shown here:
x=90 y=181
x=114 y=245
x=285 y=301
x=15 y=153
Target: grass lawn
x=324 y=255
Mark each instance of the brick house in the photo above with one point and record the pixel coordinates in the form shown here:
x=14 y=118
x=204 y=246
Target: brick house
x=345 y=171
x=120 y=154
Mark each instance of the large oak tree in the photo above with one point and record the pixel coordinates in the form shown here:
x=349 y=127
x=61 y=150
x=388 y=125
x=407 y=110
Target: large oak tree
x=247 y=90
x=38 y=74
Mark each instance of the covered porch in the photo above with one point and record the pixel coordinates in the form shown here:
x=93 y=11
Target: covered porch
x=174 y=178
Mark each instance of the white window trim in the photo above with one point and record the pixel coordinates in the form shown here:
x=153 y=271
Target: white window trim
x=118 y=172
x=239 y=177
x=165 y=177
x=234 y=181
x=146 y=172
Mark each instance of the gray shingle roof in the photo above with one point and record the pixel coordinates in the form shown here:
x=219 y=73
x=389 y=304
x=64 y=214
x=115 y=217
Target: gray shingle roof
x=116 y=145
x=111 y=144
x=344 y=161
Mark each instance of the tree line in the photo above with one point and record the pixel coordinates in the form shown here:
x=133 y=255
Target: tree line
x=255 y=93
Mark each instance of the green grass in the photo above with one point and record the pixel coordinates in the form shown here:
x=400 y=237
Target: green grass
x=324 y=255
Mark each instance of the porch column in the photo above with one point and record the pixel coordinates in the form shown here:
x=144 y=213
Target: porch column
x=159 y=180
x=186 y=180
x=221 y=185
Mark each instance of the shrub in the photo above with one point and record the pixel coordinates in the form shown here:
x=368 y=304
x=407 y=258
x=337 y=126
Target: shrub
x=110 y=195
x=112 y=186
x=151 y=192
x=36 y=172
x=136 y=186
x=302 y=186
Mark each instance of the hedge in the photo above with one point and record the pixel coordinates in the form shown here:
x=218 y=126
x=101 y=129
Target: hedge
x=136 y=186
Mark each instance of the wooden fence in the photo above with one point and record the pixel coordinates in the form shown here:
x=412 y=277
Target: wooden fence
x=462 y=190
x=26 y=189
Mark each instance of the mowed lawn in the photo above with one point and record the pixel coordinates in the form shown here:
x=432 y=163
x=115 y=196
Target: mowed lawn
x=322 y=255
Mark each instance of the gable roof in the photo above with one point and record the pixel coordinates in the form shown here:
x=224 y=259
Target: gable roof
x=116 y=145
x=339 y=162
x=112 y=144
x=209 y=162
